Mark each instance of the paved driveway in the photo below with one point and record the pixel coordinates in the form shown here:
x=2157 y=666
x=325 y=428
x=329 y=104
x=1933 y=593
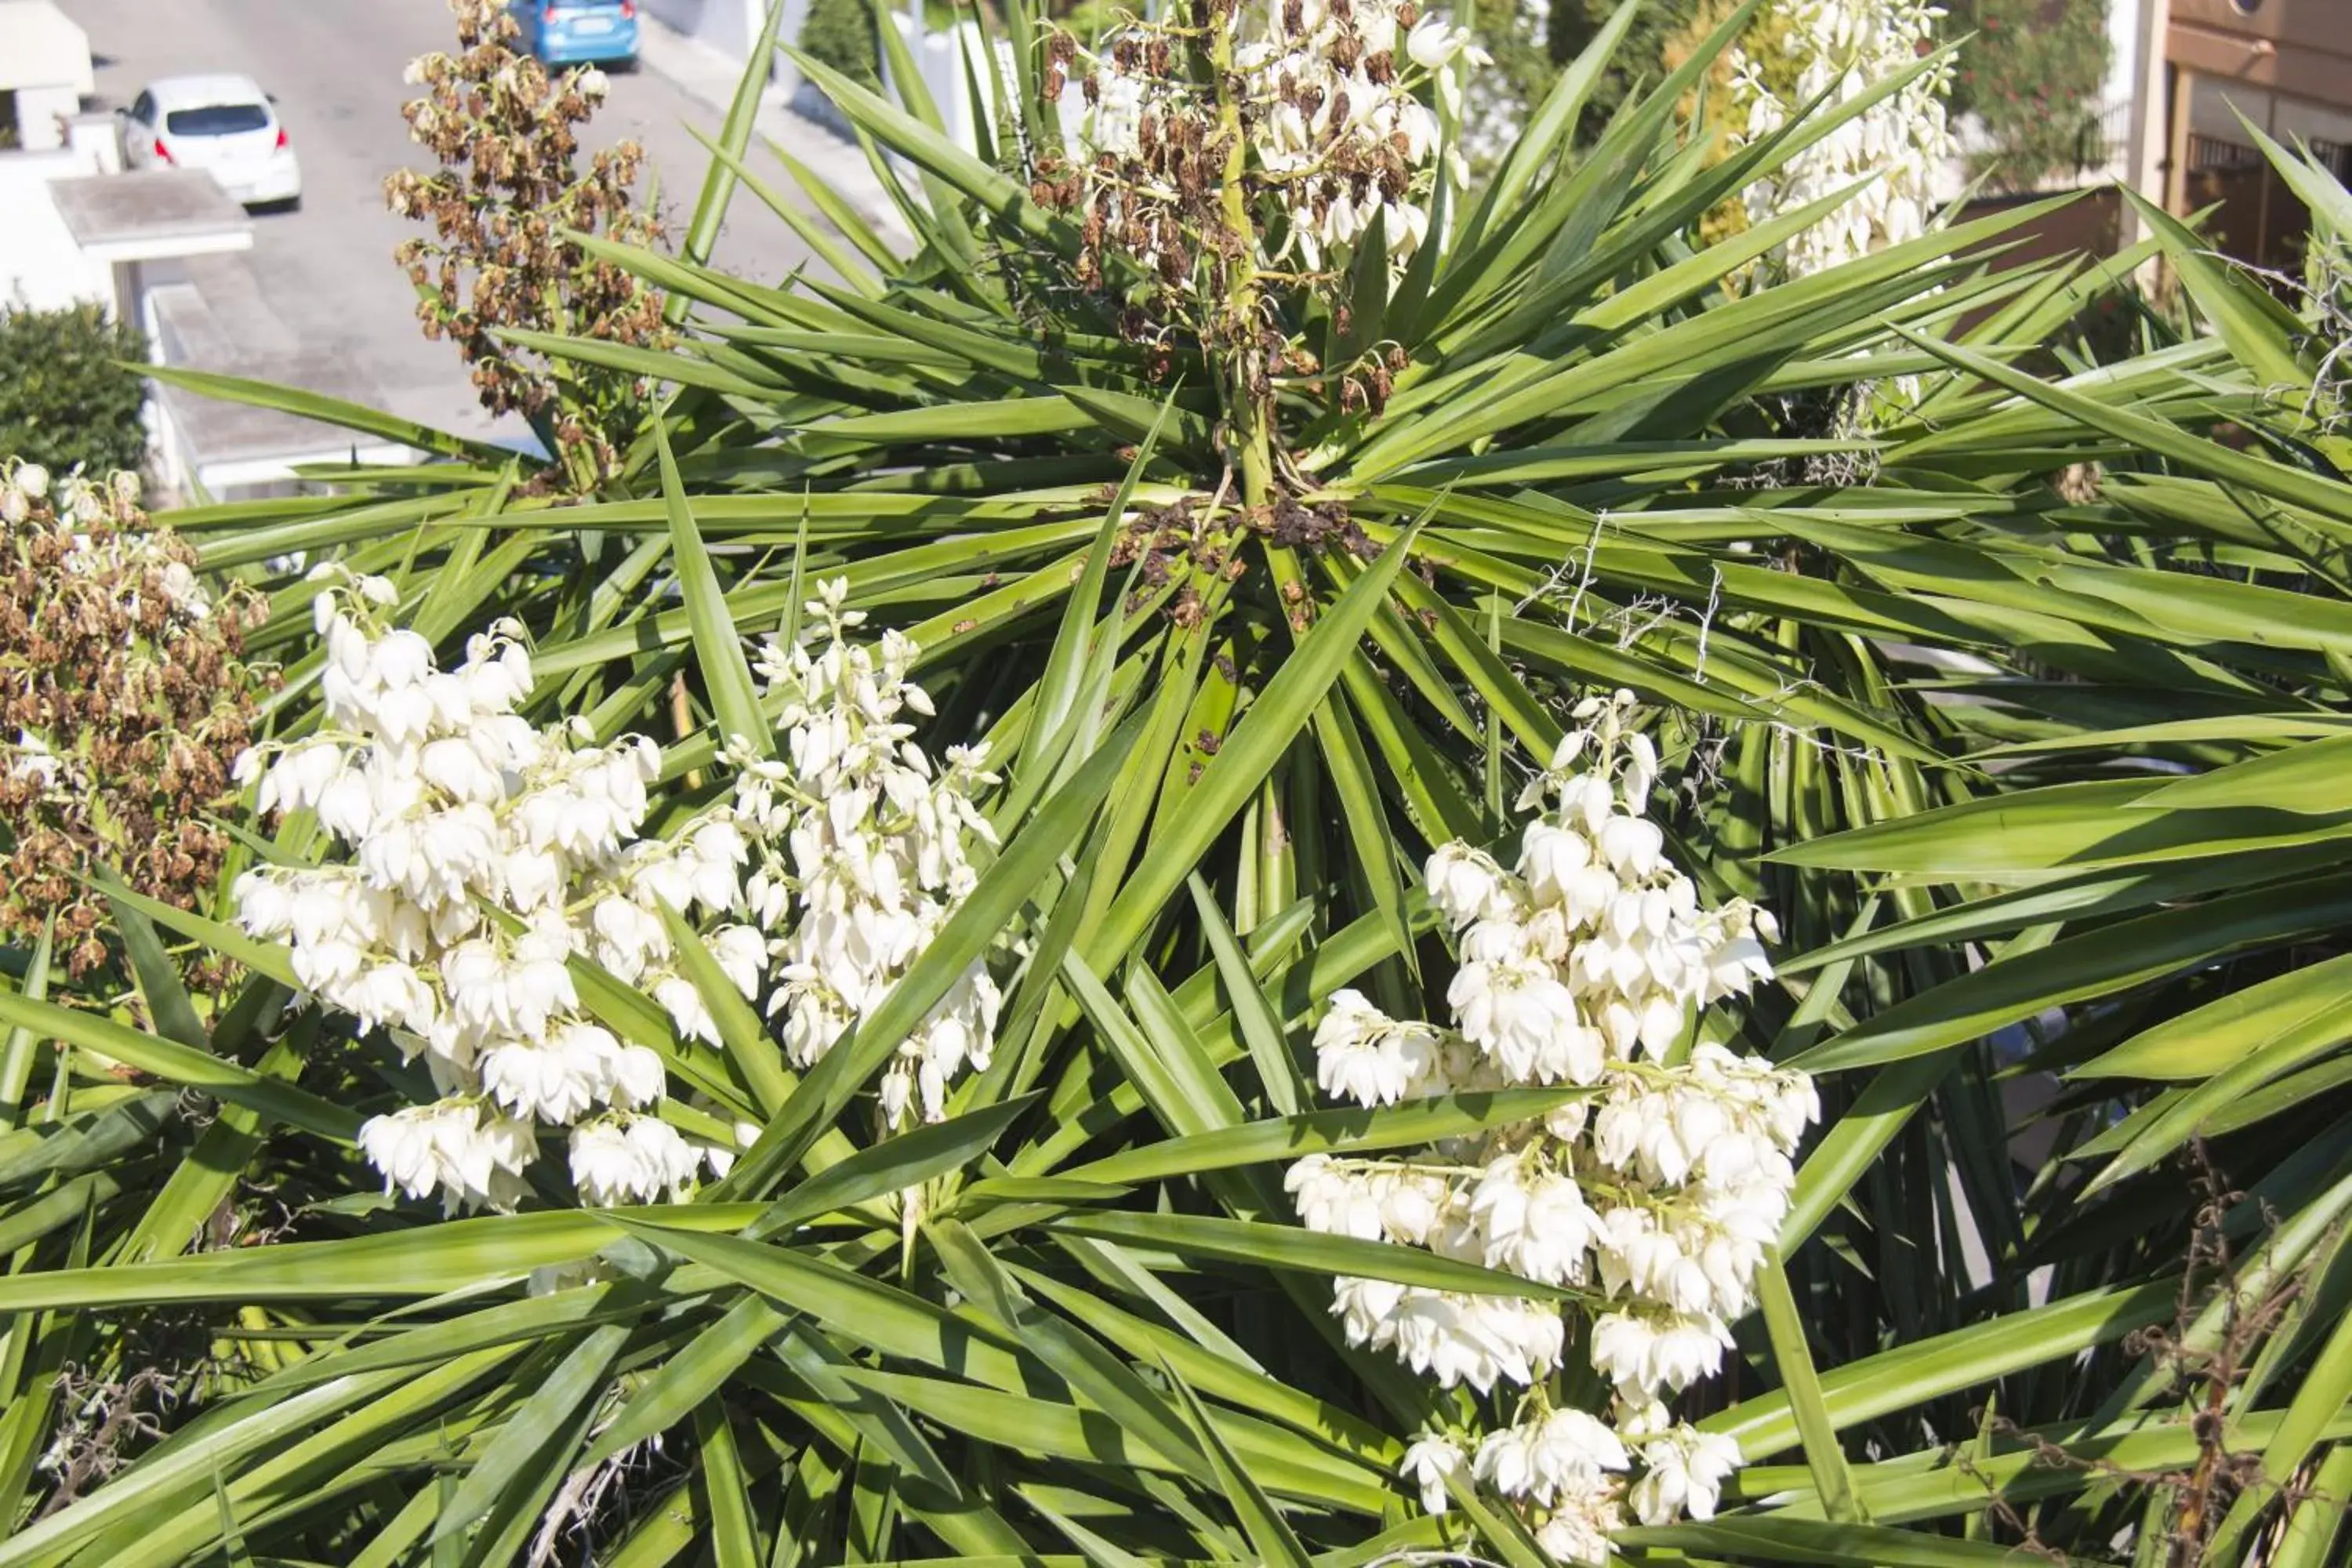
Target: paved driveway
x=326 y=270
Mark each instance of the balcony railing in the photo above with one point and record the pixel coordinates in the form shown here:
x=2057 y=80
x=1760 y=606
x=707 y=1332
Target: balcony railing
x=2214 y=154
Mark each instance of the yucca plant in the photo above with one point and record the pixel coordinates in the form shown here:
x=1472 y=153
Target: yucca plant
x=2156 y=887
x=1272 y=555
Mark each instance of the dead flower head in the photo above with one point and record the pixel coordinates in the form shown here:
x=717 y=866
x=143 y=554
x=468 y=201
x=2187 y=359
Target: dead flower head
x=511 y=194
x=123 y=703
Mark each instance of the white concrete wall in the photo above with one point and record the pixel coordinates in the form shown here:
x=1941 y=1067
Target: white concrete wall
x=2121 y=112
x=41 y=268
x=943 y=58
x=41 y=112
x=97 y=140
x=940 y=57
x=731 y=27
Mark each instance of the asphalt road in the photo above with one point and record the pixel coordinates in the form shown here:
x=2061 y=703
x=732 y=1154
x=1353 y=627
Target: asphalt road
x=335 y=67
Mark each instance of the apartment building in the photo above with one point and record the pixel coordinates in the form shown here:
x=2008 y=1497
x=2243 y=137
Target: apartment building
x=2285 y=66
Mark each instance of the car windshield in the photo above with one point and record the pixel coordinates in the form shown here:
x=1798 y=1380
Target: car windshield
x=217 y=120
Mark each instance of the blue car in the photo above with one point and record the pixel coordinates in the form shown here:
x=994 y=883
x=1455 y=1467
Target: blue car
x=574 y=32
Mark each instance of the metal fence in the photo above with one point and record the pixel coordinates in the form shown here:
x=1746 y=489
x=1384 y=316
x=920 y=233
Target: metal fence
x=2212 y=152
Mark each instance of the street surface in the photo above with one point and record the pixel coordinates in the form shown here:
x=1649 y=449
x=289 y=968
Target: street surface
x=335 y=68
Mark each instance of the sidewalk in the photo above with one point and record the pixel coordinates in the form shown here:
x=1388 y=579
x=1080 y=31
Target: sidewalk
x=712 y=77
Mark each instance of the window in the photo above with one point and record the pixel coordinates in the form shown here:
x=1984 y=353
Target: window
x=143 y=110
x=217 y=120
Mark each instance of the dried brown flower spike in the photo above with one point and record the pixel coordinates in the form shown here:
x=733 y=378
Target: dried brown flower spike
x=124 y=704
x=509 y=194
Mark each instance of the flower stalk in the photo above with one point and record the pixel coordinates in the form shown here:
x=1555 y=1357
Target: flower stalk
x=1249 y=396
x=1653 y=1198
x=485 y=854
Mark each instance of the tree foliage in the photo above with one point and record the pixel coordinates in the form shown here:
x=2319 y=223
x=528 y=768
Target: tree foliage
x=840 y=34
x=71 y=391
x=2035 y=73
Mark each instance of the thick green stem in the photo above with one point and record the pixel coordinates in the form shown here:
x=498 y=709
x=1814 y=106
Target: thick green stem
x=1250 y=416
x=1257 y=448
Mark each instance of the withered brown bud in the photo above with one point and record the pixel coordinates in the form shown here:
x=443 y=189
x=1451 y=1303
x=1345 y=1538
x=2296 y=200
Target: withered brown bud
x=134 y=692
x=510 y=186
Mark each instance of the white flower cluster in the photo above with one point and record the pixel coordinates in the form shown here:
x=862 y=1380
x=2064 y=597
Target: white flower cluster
x=23 y=485
x=81 y=499
x=485 y=854
x=1331 y=107
x=1336 y=121
x=120 y=555
x=1655 y=1195
x=874 y=850
x=1843 y=49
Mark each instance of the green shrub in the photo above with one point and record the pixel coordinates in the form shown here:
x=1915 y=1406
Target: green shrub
x=2032 y=72
x=840 y=34
x=68 y=397
x=1639 y=61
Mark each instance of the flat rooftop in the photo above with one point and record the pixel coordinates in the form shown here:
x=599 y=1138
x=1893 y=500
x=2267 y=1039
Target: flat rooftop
x=219 y=321
x=150 y=213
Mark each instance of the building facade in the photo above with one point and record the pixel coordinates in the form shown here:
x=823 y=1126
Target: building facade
x=2210 y=69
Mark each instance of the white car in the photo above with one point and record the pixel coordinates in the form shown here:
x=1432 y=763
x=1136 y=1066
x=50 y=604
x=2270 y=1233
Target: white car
x=224 y=125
